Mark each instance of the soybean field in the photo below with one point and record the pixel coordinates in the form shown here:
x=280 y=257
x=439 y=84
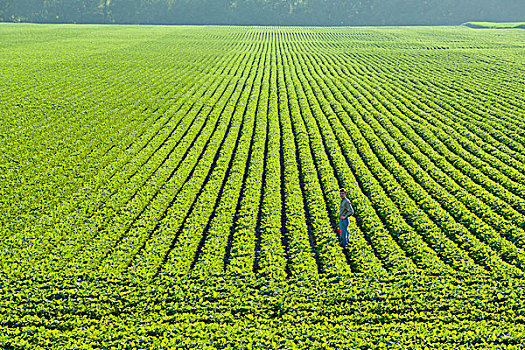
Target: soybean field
x=178 y=186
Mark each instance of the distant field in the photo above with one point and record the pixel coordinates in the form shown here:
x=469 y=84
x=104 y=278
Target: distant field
x=495 y=25
x=178 y=186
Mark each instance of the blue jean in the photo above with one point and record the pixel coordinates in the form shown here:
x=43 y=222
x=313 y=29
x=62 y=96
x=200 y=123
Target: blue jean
x=343 y=225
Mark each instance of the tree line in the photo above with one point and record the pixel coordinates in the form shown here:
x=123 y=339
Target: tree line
x=265 y=12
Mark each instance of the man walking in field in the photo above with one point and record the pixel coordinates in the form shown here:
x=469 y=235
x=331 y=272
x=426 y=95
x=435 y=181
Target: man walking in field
x=345 y=210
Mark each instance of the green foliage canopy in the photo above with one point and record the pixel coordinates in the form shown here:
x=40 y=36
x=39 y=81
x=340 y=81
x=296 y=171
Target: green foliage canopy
x=262 y=12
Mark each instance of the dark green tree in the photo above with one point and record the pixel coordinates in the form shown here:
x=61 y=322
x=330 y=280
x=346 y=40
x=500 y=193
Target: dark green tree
x=270 y=12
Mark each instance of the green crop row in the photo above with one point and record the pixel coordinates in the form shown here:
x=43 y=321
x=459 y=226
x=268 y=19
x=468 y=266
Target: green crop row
x=176 y=187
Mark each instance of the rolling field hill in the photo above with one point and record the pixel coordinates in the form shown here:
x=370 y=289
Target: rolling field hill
x=495 y=25
x=178 y=186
